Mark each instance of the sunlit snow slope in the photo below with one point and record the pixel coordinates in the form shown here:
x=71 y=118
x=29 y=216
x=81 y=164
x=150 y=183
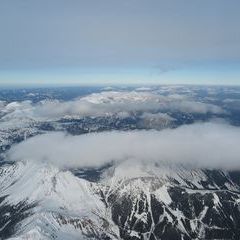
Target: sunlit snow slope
x=39 y=201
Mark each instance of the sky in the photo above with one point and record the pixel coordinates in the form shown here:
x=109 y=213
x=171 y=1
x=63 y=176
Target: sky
x=119 y=42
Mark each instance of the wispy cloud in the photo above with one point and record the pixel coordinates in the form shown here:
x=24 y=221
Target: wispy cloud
x=106 y=103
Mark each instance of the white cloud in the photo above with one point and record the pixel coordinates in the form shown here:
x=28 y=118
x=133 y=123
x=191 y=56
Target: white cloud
x=157 y=117
x=195 y=107
x=143 y=89
x=209 y=145
x=156 y=120
x=105 y=103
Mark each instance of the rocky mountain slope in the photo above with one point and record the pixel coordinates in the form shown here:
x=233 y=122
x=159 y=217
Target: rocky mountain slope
x=128 y=200
x=157 y=201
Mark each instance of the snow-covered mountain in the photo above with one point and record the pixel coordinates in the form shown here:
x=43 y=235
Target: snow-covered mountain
x=39 y=201
x=119 y=199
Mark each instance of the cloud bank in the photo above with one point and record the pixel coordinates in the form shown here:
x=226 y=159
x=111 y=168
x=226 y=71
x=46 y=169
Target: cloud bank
x=105 y=103
x=205 y=145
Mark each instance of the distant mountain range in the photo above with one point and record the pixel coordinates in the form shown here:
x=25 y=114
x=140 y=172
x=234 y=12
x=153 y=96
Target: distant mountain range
x=132 y=200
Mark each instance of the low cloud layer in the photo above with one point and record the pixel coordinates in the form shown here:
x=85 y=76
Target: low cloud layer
x=209 y=145
x=105 y=103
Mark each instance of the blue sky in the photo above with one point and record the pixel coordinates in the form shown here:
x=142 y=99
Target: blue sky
x=127 y=41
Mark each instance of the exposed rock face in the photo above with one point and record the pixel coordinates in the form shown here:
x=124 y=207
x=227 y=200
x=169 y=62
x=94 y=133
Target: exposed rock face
x=39 y=201
x=206 y=209
x=161 y=202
